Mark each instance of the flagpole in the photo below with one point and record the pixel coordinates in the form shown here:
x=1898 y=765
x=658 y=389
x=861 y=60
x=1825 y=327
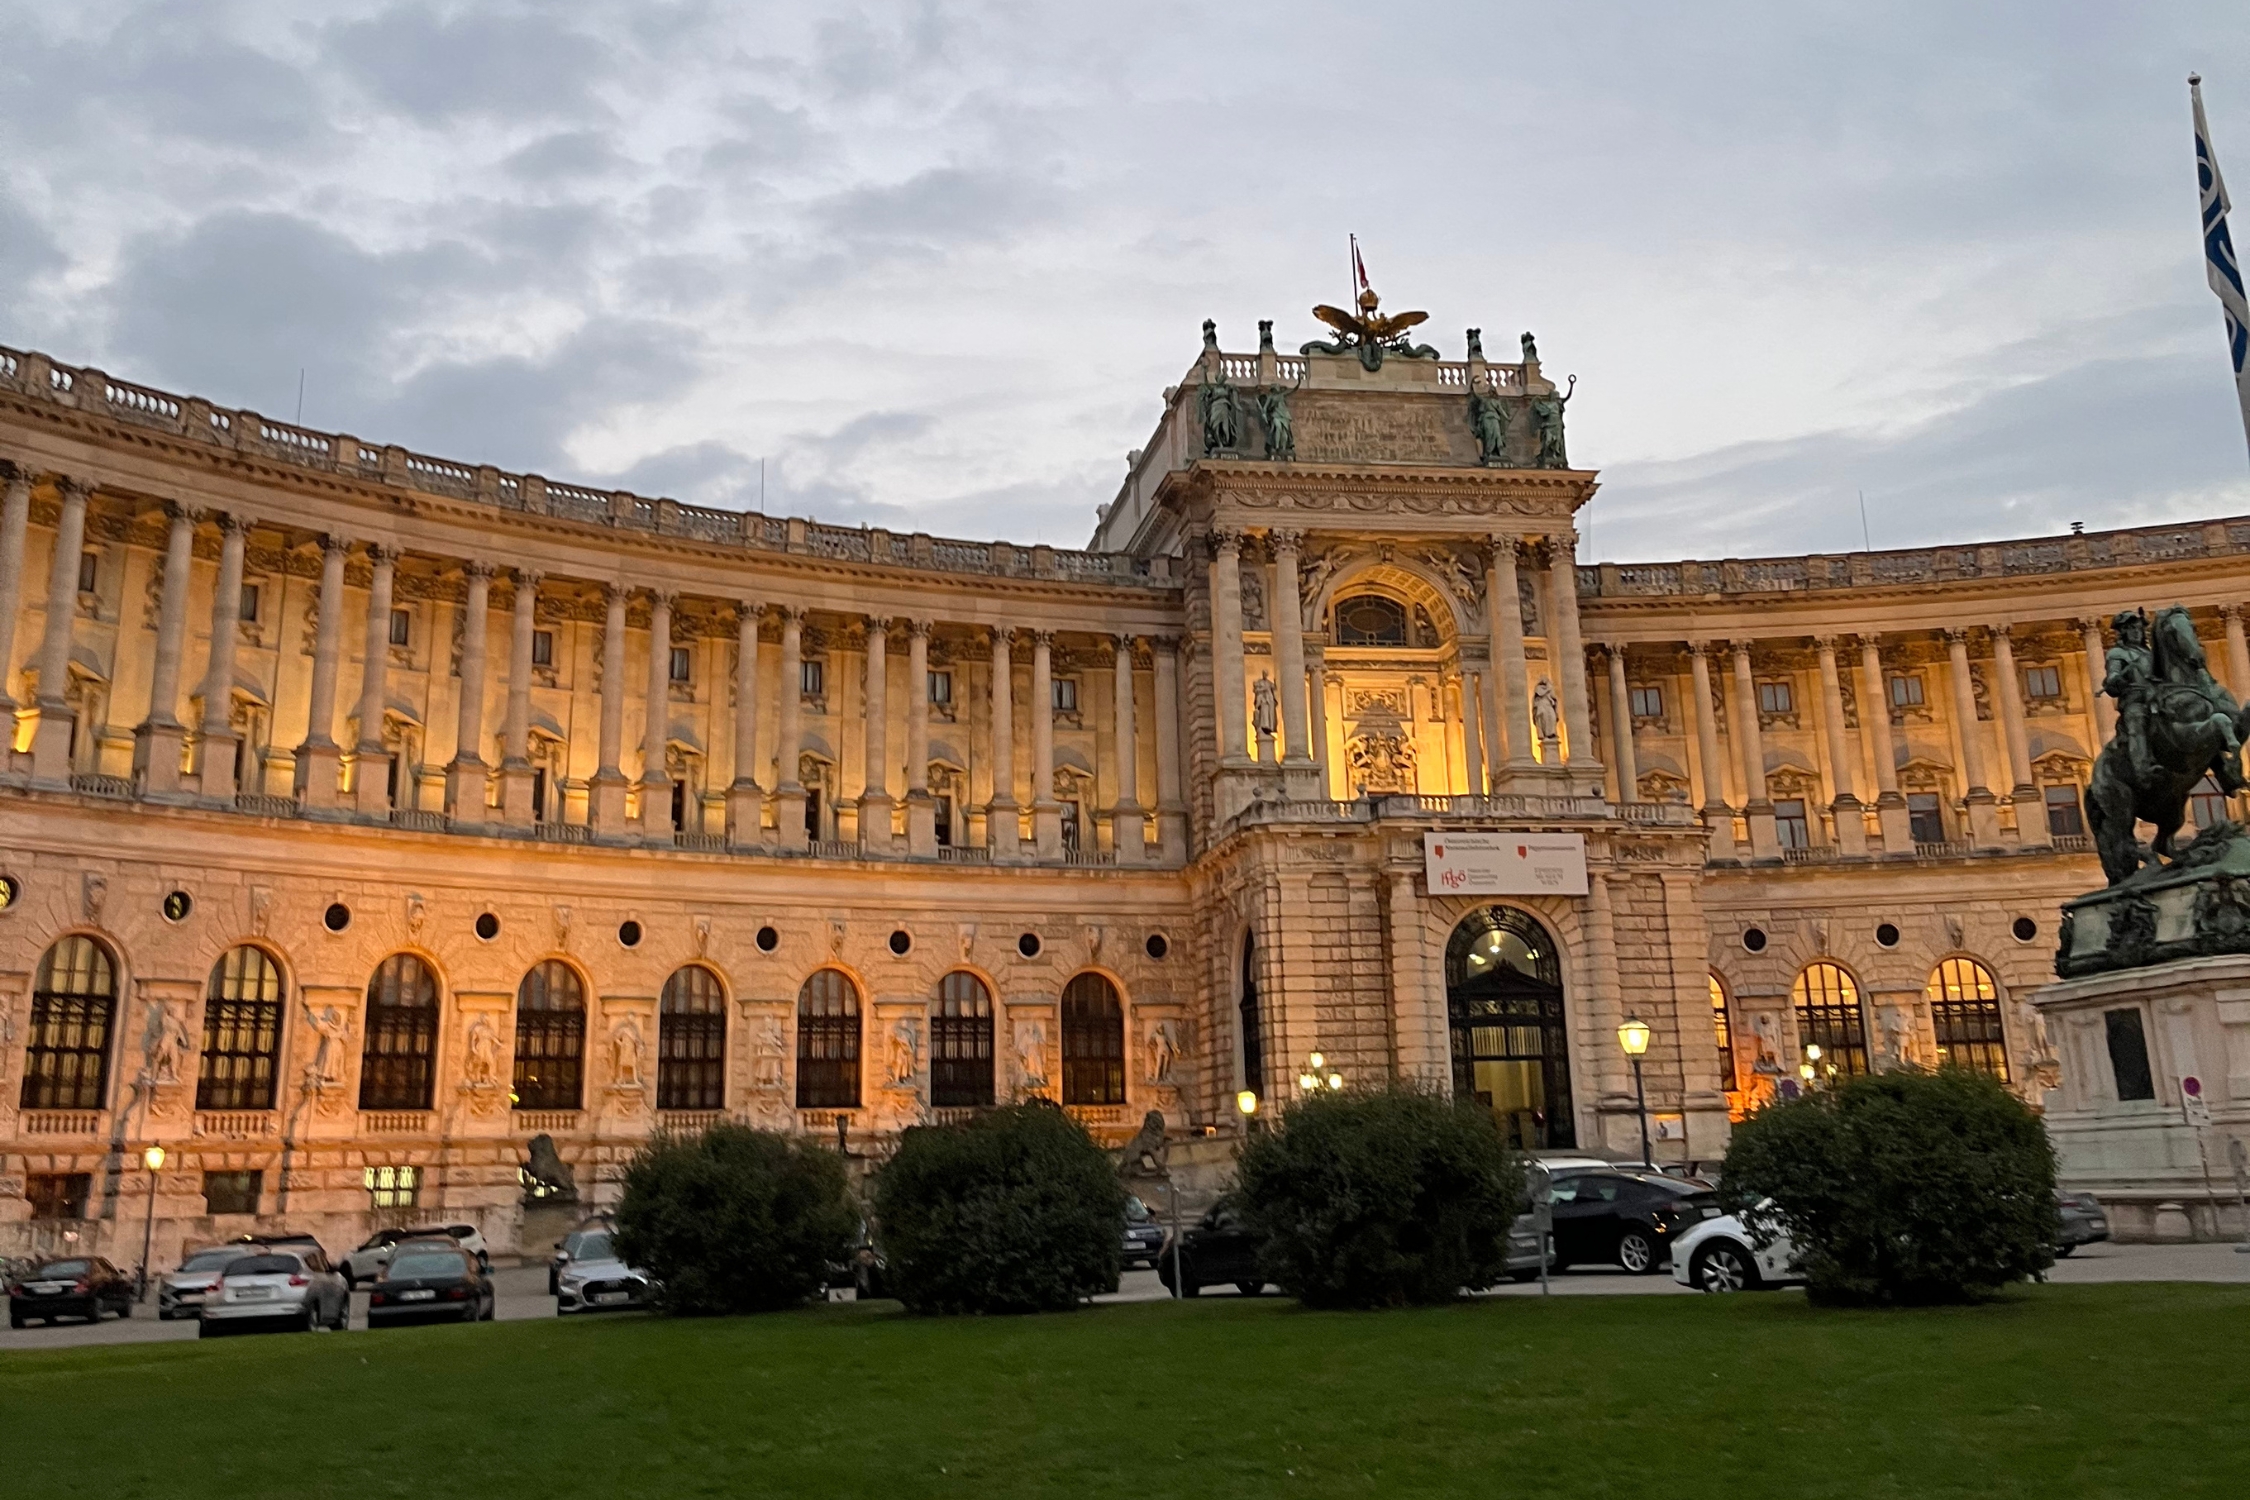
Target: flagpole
x=2221 y=268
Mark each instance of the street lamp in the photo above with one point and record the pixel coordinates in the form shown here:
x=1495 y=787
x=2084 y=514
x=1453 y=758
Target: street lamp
x=1247 y=1103
x=1633 y=1037
x=153 y=1159
x=1311 y=1079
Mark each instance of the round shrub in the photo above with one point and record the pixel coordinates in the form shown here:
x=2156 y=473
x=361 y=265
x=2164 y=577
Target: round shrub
x=1901 y=1187
x=735 y=1220
x=1016 y=1211
x=1381 y=1198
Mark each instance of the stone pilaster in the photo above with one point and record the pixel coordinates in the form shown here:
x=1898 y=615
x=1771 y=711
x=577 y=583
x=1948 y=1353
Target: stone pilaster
x=158 y=743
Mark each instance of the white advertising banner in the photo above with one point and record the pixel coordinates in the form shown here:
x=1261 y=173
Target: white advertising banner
x=1505 y=864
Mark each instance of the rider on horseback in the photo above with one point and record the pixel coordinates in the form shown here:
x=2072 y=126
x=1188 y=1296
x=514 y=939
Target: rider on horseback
x=2131 y=680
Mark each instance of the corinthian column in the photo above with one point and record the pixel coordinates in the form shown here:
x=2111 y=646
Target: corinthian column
x=372 y=762
x=1171 y=806
x=1750 y=740
x=516 y=780
x=1566 y=647
x=2031 y=811
x=1510 y=740
x=319 y=758
x=921 y=808
x=2101 y=710
x=1844 y=805
x=1046 y=812
x=2238 y=651
x=607 y=803
x=1621 y=721
x=1984 y=816
x=1718 y=817
x=789 y=792
x=156 y=744
x=746 y=799
x=656 y=722
x=1227 y=685
x=1003 y=823
x=875 y=796
x=51 y=743
x=15 y=521
x=1875 y=732
x=219 y=737
x=1125 y=822
x=466 y=777
x=1285 y=618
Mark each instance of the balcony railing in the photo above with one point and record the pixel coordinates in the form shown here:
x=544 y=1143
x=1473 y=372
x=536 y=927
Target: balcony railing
x=234 y=1124
x=259 y=804
x=690 y=1121
x=394 y=1122
x=120 y=787
x=547 y=1121
x=61 y=1122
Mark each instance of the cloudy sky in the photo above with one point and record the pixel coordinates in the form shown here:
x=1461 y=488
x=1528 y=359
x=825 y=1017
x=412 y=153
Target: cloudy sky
x=931 y=267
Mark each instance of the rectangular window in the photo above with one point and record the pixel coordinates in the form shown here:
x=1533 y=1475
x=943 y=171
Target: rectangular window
x=1906 y=692
x=1925 y=817
x=810 y=678
x=2042 y=682
x=58 y=1195
x=2128 y=1054
x=941 y=687
x=539 y=794
x=1790 y=822
x=542 y=648
x=393 y=1187
x=1776 y=698
x=402 y=627
x=1648 y=702
x=232 y=1192
x=250 y=602
x=89 y=570
x=945 y=821
x=682 y=663
x=2065 y=818
x=1066 y=695
x=2207 y=805
x=1071 y=833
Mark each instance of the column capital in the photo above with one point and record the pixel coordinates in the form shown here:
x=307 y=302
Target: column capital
x=1826 y=644
x=331 y=541
x=793 y=614
x=2089 y=624
x=1124 y=640
x=528 y=579
x=1740 y=649
x=1957 y=636
x=2001 y=633
x=381 y=554
x=1222 y=540
x=1164 y=645
x=2230 y=611
x=1042 y=640
x=920 y=628
x=1285 y=539
x=1871 y=640
x=1501 y=546
x=180 y=510
x=1003 y=637
x=70 y=487
x=880 y=625
x=1561 y=546
x=748 y=610
x=475 y=568
x=663 y=598
x=234 y=523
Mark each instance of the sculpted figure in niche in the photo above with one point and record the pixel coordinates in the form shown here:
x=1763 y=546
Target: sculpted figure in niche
x=168 y=1044
x=1031 y=1054
x=905 y=1063
x=1265 y=705
x=625 y=1055
x=334 y=1030
x=1488 y=419
x=480 y=1069
x=1163 y=1050
x=766 y=1069
x=1222 y=423
x=1546 y=710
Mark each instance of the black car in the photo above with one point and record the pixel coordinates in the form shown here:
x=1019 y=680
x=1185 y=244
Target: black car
x=1144 y=1237
x=1626 y=1218
x=82 y=1286
x=431 y=1281
x=1220 y=1248
x=2084 y=1220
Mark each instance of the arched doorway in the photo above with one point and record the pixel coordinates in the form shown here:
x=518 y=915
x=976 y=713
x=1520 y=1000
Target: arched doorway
x=1504 y=1006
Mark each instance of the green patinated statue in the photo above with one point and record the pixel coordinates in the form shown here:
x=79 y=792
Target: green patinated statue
x=1488 y=419
x=1281 y=430
x=1547 y=416
x=2175 y=725
x=1222 y=420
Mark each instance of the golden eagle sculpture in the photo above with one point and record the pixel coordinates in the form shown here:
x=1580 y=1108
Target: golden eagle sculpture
x=1369 y=333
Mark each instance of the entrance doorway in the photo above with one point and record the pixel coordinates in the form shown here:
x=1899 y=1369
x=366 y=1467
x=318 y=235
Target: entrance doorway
x=1504 y=1007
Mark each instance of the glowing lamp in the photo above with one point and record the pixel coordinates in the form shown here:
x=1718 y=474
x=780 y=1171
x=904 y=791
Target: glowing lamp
x=1247 y=1102
x=1633 y=1037
x=153 y=1158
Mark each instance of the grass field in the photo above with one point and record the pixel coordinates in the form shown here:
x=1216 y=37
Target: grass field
x=2052 y=1392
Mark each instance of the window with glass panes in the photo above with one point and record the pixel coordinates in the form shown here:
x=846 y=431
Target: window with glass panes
x=1791 y=824
x=550 y=1037
x=73 y=1010
x=241 y=1032
x=1647 y=701
x=2043 y=683
x=232 y=1192
x=2066 y=816
x=1965 y=1014
x=1906 y=690
x=542 y=648
x=1065 y=690
x=1093 y=1042
x=402 y=627
x=1722 y=1031
x=1776 y=698
x=1826 y=998
x=941 y=688
x=828 y=1042
x=812 y=678
x=249 y=609
x=58 y=1195
x=691 y=1041
x=393 y=1186
x=395 y=1063
x=961 y=1044
x=1925 y=817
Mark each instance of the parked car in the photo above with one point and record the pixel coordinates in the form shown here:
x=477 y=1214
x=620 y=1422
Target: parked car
x=429 y=1281
x=366 y=1263
x=1721 y=1255
x=570 y=1248
x=1220 y=1248
x=82 y=1286
x=277 y=1287
x=1523 y=1234
x=180 y=1293
x=2084 y=1220
x=1629 y=1218
x=1144 y=1237
x=598 y=1280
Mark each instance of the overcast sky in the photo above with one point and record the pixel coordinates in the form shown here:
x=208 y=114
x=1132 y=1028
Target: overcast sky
x=934 y=266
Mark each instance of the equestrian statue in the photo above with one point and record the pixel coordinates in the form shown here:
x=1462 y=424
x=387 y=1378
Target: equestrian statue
x=2175 y=725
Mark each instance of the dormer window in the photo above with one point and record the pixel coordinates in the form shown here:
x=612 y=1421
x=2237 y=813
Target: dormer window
x=1370 y=620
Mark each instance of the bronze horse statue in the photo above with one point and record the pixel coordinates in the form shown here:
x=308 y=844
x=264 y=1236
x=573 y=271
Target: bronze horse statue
x=2194 y=729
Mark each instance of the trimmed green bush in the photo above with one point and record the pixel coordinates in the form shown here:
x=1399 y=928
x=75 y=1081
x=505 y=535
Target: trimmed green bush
x=735 y=1220
x=1381 y=1197
x=1905 y=1187
x=1016 y=1211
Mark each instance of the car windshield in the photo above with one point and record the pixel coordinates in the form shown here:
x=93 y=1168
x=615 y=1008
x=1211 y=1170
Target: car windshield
x=1137 y=1211
x=594 y=1247
x=263 y=1265
x=66 y=1268
x=427 y=1263
x=210 y=1260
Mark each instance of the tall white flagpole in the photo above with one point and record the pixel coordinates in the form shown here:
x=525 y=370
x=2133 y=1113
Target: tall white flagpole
x=2220 y=265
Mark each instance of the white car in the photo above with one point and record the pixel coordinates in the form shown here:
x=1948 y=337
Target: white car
x=1721 y=1255
x=276 y=1287
x=598 y=1279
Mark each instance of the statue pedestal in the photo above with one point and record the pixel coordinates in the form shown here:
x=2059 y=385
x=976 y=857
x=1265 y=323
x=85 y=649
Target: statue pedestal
x=2198 y=907
x=2128 y=1043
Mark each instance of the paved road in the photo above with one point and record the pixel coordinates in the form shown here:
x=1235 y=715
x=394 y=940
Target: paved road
x=523 y=1291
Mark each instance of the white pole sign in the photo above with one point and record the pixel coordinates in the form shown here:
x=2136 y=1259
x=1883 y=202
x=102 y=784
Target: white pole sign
x=1505 y=864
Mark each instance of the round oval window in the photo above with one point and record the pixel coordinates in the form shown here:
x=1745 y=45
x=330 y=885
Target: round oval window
x=1887 y=935
x=488 y=926
x=1754 y=939
x=768 y=940
x=177 y=905
x=902 y=942
x=629 y=933
x=337 y=917
x=2025 y=929
x=1156 y=945
x=9 y=890
x=1028 y=945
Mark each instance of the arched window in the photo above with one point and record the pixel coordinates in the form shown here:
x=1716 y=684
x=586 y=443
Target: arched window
x=1965 y=1013
x=241 y=1032
x=1722 y=1031
x=691 y=1041
x=396 y=1062
x=961 y=1044
x=1504 y=1010
x=73 y=1008
x=1829 y=1017
x=1370 y=620
x=1093 y=1042
x=828 y=1042
x=1253 y=1035
x=550 y=1037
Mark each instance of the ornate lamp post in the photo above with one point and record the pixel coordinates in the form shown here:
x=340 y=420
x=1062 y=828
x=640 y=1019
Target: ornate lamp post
x=1633 y=1037
x=153 y=1159
x=1317 y=1076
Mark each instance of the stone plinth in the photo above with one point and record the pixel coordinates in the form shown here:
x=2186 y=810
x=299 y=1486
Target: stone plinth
x=2124 y=1132
x=2193 y=909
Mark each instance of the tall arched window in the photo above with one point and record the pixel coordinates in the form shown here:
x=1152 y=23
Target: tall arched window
x=828 y=1042
x=1253 y=1035
x=550 y=1037
x=396 y=1062
x=1370 y=620
x=1093 y=1042
x=73 y=1009
x=1965 y=1013
x=961 y=1044
x=1829 y=1017
x=691 y=1041
x=1722 y=1031
x=241 y=1032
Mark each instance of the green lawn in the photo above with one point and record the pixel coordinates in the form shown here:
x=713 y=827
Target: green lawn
x=2054 y=1391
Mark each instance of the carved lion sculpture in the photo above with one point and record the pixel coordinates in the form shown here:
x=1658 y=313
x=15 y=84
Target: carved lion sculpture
x=1144 y=1153
x=550 y=1174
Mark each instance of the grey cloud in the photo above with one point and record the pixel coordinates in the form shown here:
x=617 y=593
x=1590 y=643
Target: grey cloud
x=26 y=249
x=568 y=156
x=707 y=473
x=439 y=68
x=938 y=208
x=856 y=437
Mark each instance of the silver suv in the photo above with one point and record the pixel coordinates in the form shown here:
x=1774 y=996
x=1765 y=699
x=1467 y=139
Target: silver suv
x=270 y=1287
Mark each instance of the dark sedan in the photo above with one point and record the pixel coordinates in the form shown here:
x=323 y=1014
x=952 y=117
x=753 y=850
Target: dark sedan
x=2084 y=1220
x=1144 y=1237
x=429 y=1281
x=1625 y=1218
x=81 y=1287
x=1220 y=1249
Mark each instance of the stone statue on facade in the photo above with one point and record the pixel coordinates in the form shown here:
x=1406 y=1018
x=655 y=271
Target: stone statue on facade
x=903 y=1067
x=1031 y=1055
x=1215 y=408
x=1281 y=429
x=1163 y=1050
x=480 y=1068
x=1547 y=416
x=334 y=1030
x=1546 y=711
x=625 y=1055
x=1265 y=706
x=1144 y=1158
x=1488 y=419
x=1530 y=348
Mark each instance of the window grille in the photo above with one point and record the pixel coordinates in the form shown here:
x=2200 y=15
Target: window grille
x=828 y=1042
x=1829 y=1016
x=550 y=1037
x=1722 y=1029
x=241 y=1032
x=73 y=1008
x=393 y=1186
x=961 y=1044
x=691 y=1041
x=1093 y=1042
x=396 y=1059
x=1370 y=620
x=1965 y=1013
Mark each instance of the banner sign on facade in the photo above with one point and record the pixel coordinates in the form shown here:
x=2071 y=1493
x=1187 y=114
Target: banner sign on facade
x=1505 y=864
